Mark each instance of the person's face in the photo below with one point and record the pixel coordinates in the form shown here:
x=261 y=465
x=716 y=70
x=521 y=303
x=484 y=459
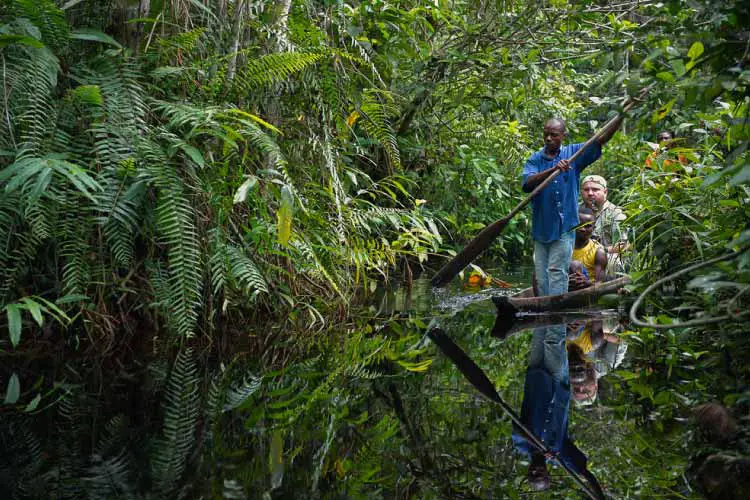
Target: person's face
x=539 y=476
x=664 y=138
x=587 y=226
x=554 y=134
x=584 y=391
x=594 y=194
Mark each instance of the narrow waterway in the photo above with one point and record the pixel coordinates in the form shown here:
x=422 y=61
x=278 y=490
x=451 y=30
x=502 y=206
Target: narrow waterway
x=389 y=416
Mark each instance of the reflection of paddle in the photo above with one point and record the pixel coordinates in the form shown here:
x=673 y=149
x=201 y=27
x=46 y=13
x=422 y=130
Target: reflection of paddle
x=479 y=380
x=483 y=240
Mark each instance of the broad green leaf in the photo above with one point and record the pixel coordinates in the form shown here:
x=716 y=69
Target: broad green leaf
x=20 y=171
x=241 y=194
x=67 y=299
x=43 y=181
x=665 y=76
x=14 y=323
x=51 y=308
x=13 y=392
x=276 y=460
x=194 y=154
x=94 y=36
x=78 y=176
x=729 y=203
x=742 y=177
x=33 y=404
x=663 y=111
x=695 y=51
x=284 y=216
x=35 y=309
x=89 y=94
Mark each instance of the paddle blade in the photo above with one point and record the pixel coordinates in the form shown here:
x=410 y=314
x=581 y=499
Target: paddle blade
x=465 y=365
x=505 y=309
x=479 y=244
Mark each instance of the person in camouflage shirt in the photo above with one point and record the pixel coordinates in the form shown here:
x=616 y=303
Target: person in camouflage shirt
x=607 y=230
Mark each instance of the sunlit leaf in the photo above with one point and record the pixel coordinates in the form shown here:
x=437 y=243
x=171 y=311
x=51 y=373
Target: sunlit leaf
x=284 y=216
x=695 y=51
x=241 y=194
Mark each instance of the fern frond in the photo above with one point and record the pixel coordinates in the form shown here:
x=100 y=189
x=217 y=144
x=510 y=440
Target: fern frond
x=21 y=462
x=74 y=250
x=110 y=477
x=32 y=79
x=181 y=408
x=47 y=17
x=237 y=394
x=218 y=262
x=174 y=220
x=272 y=68
x=245 y=272
x=317 y=265
x=119 y=207
x=363 y=370
x=377 y=108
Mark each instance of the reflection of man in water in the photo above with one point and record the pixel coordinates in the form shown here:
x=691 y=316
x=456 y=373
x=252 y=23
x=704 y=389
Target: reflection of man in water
x=546 y=400
x=593 y=350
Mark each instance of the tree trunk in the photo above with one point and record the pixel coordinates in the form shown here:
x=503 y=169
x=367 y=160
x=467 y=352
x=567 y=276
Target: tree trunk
x=239 y=11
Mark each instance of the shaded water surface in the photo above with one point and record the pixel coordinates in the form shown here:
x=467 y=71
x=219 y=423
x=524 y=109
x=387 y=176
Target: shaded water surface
x=369 y=409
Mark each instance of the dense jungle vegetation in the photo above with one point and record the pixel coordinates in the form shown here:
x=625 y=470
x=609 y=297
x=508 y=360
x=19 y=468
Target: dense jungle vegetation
x=201 y=199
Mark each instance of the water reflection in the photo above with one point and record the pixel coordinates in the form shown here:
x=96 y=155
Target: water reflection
x=567 y=355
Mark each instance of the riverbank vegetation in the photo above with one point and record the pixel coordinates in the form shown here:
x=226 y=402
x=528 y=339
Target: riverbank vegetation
x=199 y=198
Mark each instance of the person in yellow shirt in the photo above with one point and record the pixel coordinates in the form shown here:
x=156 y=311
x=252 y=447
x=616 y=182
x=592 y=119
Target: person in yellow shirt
x=590 y=253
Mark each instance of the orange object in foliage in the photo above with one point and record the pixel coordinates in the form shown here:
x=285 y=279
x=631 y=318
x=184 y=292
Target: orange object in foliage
x=476 y=280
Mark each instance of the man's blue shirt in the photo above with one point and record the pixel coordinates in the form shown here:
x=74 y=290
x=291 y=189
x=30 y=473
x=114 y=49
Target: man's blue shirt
x=544 y=412
x=555 y=208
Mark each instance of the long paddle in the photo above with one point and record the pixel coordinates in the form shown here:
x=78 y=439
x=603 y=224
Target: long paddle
x=483 y=240
x=479 y=380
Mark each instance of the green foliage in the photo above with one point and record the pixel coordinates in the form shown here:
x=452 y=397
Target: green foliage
x=230 y=177
x=181 y=410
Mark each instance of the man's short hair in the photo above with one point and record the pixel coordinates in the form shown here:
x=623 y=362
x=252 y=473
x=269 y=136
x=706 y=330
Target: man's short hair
x=556 y=120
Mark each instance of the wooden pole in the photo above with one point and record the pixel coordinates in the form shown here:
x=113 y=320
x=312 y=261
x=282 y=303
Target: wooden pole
x=483 y=240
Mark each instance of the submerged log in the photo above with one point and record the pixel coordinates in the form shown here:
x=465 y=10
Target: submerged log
x=580 y=298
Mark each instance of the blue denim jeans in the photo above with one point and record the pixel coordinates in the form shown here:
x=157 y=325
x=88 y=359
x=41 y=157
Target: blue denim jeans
x=549 y=353
x=551 y=262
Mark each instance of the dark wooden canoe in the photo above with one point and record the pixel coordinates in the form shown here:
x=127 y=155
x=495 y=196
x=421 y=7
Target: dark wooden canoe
x=586 y=297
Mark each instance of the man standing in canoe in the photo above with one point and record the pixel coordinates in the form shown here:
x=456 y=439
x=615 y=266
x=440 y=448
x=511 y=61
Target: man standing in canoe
x=555 y=208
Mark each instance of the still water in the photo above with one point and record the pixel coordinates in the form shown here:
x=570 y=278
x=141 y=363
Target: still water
x=371 y=408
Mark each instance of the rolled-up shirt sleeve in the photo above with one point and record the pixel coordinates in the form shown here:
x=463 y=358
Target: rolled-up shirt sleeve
x=531 y=168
